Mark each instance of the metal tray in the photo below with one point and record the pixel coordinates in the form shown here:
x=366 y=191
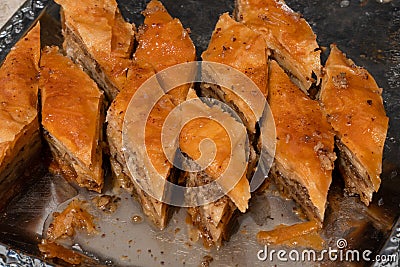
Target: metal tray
x=367 y=30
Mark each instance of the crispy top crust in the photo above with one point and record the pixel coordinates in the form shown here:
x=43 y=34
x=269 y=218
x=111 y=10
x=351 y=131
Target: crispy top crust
x=138 y=73
x=71 y=104
x=107 y=37
x=163 y=42
x=286 y=33
x=304 y=138
x=234 y=44
x=19 y=88
x=154 y=126
x=199 y=129
x=353 y=102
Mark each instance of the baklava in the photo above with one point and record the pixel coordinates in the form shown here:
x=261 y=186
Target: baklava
x=353 y=104
x=237 y=46
x=72 y=119
x=291 y=40
x=20 y=141
x=97 y=37
x=304 y=156
x=213 y=220
x=153 y=208
x=163 y=42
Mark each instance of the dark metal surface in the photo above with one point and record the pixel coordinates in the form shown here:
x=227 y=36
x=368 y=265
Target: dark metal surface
x=368 y=31
x=19 y=24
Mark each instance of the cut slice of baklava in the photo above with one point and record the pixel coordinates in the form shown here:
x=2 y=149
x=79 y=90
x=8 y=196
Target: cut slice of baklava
x=72 y=119
x=137 y=75
x=163 y=42
x=213 y=220
x=97 y=37
x=288 y=35
x=353 y=104
x=19 y=133
x=156 y=210
x=234 y=44
x=304 y=157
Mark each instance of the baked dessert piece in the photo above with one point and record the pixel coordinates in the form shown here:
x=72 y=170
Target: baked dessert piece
x=213 y=220
x=137 y=75
x=234 y=44
x=288 y=35
x=163 y=42
x=353 y=104
x=19 y=133
x=97 y=37
x=72 y=119
x=304 y=157
x=156 y=210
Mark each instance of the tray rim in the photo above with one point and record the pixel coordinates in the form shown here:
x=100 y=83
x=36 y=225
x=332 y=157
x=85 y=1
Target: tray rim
x=20 y=23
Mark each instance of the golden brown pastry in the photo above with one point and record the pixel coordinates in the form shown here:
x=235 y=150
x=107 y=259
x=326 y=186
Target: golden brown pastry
x=137 y=75
x=353 y=103
x=234 y=44
x=163 y=42
x=304 y=157
x=74 y=217
x=19 y=133
x=97 y=37
x=153 y=208
x=288 y=35
x=72 y=119
x=213 y=220
x=303 y=234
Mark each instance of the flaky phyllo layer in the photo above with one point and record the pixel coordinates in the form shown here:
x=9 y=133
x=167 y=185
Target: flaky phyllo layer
x=20 y=142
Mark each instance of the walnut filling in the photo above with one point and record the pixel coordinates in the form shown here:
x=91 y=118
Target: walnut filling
x=356 y=178
x=211 y=234
x=213 y=221
x=155 y=210
x=327 y=158
x=294 y=71
x=295 y=190
x=71 y=167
